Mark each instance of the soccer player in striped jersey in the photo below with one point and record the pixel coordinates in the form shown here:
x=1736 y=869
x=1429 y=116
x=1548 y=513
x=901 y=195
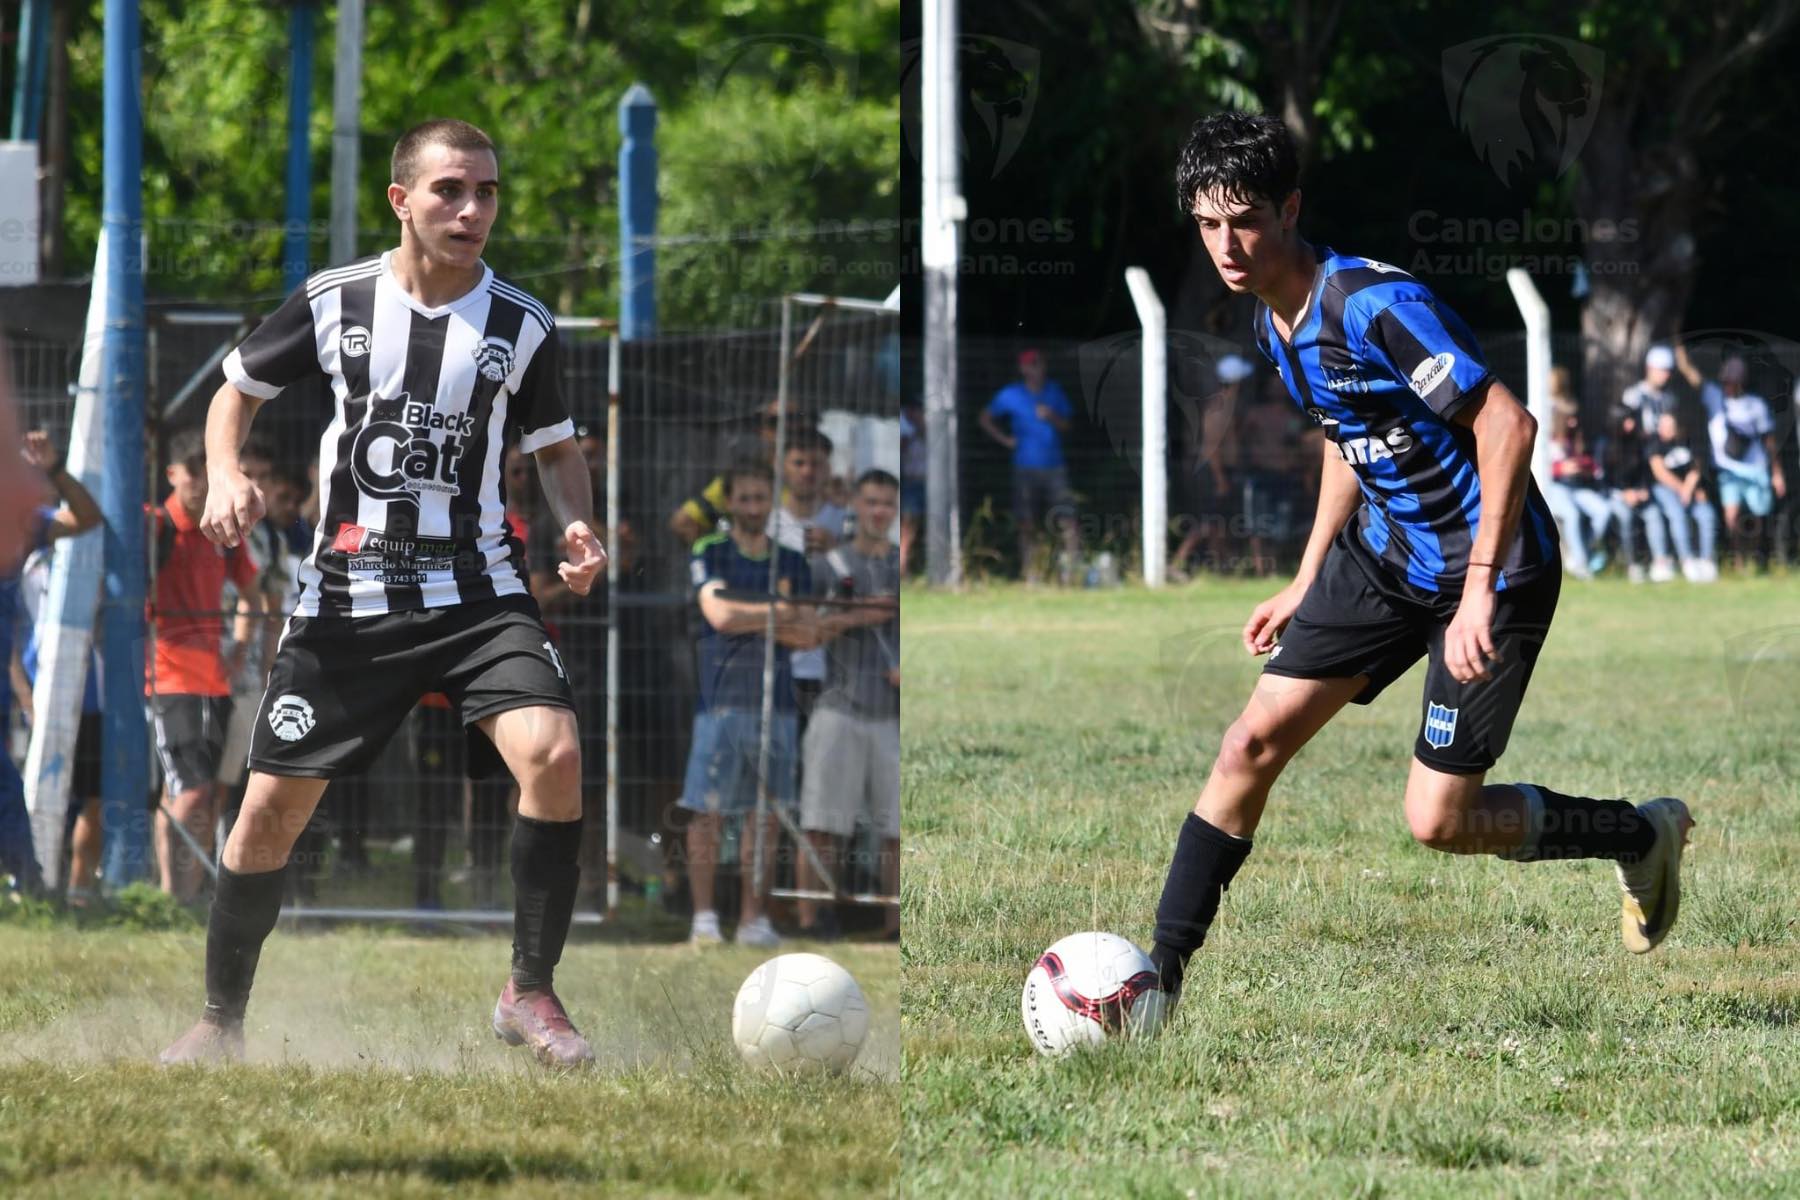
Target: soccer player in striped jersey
x=414 y=582
x=1430 y=541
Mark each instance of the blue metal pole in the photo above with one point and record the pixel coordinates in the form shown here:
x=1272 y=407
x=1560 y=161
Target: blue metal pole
x=299 y=160
x=637 y=214
x=125 y=777
x=29 y=80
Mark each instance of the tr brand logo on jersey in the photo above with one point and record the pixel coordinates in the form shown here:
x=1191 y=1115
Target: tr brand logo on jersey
x=1440 y=726
x=1433 y=371
x=494 y=358
x=354 y=342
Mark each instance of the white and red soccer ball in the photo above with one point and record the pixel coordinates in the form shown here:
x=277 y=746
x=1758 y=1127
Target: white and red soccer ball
x=1090 y=988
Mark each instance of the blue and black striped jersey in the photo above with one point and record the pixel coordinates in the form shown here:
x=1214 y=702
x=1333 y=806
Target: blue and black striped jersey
x=1383 y=367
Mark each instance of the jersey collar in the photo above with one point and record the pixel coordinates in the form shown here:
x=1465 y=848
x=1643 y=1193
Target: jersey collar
x=406 y=297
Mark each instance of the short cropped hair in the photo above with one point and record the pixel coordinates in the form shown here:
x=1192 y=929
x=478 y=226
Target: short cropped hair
x=457 y=135
x=1244 y=157
x=747 y=470
x=878 y=477
x=188 y=449
x=808 y=439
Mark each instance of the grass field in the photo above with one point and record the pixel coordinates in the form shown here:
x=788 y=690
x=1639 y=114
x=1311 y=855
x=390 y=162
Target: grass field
x=372 y=1073
x=1369 y=1017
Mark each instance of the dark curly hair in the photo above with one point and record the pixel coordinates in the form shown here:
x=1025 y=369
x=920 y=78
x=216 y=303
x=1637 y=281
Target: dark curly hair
x=1242 y=156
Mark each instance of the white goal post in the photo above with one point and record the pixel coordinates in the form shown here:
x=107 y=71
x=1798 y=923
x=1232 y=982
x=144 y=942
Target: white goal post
x=1154 y=456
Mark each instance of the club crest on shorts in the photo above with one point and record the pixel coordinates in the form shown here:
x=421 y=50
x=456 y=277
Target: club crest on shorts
x=291 y=717
x=1440 y=726
x=494 y=358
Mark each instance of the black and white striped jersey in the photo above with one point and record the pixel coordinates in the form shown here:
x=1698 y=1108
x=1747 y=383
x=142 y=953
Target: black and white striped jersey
x=412 y=499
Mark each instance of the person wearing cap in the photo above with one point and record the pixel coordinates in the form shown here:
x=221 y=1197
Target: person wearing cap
x=1650 y=397
x=1209 y=462
x=1741 y=430
x=1037 y=413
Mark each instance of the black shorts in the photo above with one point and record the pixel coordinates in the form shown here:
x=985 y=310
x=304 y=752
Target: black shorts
x=84 y=780
x=1359 y=618
x=1042 y=493
x=190 y=736
x=341 y=686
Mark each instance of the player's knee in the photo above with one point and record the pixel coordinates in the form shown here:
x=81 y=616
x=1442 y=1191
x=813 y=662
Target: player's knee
x=555 y=764
x=1245 y=751
x=1433 y=827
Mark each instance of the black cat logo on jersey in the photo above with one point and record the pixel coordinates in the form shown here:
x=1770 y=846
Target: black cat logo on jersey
x=418 y=461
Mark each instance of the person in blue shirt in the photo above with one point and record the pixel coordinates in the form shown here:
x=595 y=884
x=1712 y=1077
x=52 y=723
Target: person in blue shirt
x=721 y=778
x=78 y=513
x=1430 y=541
x=1037 y=413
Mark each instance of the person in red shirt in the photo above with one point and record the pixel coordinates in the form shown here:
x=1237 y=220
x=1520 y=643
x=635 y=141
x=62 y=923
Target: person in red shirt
x=187 y=680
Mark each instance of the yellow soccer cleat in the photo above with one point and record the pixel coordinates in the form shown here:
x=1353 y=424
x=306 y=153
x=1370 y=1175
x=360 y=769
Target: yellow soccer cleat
x=1653 y=887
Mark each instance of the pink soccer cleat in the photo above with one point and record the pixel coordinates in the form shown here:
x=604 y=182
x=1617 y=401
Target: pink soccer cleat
x=206 y=1042
x=538 y=1020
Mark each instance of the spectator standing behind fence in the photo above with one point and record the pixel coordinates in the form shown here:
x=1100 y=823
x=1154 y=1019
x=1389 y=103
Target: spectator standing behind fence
x=187 y=681
x=82 y=831
x=1650 y=397
x=721 y=778
x=37 y=528
x=915 y=464
x=809 y=525
x=1680 y=490
x=852 y=745
x=1742 y=432
x=1273 y=476
x=1572 y=491
x=705 y=511
x=1037 y=414
x=1208 y=471
x=1624 y=459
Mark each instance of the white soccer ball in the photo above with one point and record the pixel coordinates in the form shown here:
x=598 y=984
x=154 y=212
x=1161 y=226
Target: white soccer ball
x=799 y=1012
x=1088 y=988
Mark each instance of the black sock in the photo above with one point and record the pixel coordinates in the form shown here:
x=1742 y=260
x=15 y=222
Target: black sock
x=545 y=872
x=244 y=909
x=1206 y=859
x=1559 y=826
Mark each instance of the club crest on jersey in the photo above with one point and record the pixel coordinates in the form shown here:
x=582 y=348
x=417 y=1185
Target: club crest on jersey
x=1433 y=371
x=494 y=358
x=291 y=717
x=400 y=431
x=353 y=342
x=1440 y=726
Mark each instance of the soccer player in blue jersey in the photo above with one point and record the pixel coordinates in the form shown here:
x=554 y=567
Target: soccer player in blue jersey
x=1430 y=540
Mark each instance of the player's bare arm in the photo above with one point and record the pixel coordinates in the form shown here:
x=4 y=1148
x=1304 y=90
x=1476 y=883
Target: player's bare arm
x=1339 y=495
x=569 y=490
x=1505 y=432
x=233 y=503
x=796 y=627
x=993 y=430
x=79 y=511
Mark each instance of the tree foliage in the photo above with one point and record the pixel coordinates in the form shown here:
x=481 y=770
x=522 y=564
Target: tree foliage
x=774 y=142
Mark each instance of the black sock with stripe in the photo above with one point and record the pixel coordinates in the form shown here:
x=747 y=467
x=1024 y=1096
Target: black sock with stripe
x=1559 y=826
x=545 y=872
x=1206 y=859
